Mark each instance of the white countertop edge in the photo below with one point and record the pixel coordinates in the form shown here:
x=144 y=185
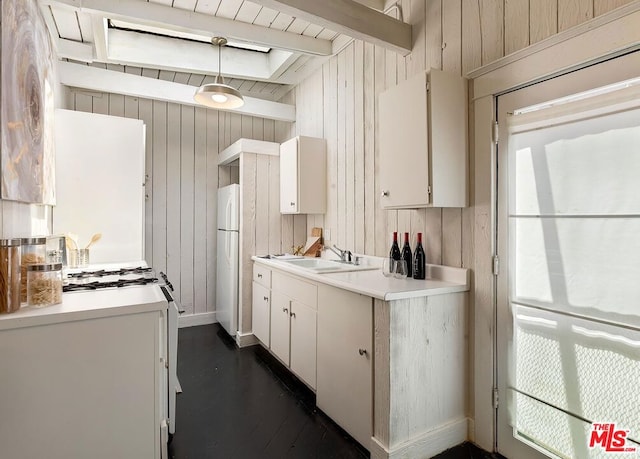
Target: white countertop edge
x=83 y=306
x=443 y=279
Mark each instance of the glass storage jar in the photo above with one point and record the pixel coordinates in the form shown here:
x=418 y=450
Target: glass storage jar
x=33 y=250
x=44 y=284
x=9 y=275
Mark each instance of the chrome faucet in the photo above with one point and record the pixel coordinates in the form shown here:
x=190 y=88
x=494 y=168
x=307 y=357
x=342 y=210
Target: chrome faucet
x=341 y=253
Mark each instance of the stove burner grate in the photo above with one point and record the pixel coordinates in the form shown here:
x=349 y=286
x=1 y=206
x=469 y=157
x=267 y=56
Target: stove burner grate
x=95 y=285
x=104 y=272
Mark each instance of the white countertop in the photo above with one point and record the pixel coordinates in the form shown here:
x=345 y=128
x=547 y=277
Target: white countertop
x=442 y=279
x=89 y=305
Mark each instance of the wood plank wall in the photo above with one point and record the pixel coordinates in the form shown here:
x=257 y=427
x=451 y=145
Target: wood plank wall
x=338 y=102
x=182 y=147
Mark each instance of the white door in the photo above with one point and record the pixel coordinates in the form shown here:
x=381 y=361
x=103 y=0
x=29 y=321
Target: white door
x=568 y=335
x=289 y=176
x=229 y=207
x=227 y=281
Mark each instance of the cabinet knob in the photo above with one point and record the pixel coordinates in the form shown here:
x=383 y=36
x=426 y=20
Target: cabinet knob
x=259 y=276
x=292 y=204
x=266 y=298
x=293 y=314
x=285 y=310
x=362 y=351
x=385 y=194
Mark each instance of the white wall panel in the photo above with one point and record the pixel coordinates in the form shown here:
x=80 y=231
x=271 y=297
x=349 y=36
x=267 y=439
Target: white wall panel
x=183 y=177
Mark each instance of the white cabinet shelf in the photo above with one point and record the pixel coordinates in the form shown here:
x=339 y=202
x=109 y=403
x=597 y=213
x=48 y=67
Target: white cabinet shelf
x=303 y=176
x=423 y=142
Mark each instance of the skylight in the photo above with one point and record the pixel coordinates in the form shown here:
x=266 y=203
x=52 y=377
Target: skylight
x=123 y=25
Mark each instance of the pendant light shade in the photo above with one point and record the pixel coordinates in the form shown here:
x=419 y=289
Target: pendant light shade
x=219 y=94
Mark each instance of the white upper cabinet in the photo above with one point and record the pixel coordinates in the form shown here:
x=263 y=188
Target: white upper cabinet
x=423 y=142
x=303 y=176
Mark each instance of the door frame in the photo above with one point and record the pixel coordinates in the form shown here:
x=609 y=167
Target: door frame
x=602 y=38
x=621 y=68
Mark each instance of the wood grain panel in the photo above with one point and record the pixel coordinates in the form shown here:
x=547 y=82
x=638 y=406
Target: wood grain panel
x=199 y=246
x=604 y=6
x=380 y=216
x=573 y=12
x=341 y=154
x=491 y=18
x=543 y=17
x=248 y=172
x=358 y=148
x=173 y=201
x=187 y=172
x=471 y=36
x=350 y=195
x=330 y=83
x=452 y=36
x=370 y=191
x=516 y=25
x=212 y=136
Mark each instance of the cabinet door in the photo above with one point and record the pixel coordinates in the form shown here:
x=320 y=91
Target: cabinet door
x=303 y=342
x=404 y=144
x=345 y=349
x=289 y=176
x=261 y=312
x=280 y=309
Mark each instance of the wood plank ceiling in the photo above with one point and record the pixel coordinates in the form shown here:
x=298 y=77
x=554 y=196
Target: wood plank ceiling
x=77 y=26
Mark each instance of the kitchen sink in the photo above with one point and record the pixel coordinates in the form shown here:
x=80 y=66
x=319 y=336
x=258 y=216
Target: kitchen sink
x=320 y=265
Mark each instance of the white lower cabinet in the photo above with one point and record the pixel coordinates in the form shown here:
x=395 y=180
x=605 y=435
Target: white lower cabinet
x=261 y=312
x=325 y=336
x=280 y=308
x=303 y=342
x=344 y=360
x=293 y=325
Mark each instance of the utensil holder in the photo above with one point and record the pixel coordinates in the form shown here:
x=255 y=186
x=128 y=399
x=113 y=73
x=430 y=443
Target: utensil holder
x=78 y=258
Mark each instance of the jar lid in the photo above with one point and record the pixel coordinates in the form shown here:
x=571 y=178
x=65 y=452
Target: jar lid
x=45 y=267
x=9 y=242
x=34 y=240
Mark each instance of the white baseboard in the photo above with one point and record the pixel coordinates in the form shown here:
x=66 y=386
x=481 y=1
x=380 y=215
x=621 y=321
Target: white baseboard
x=428 y=444
x=192 y=320
x=246 y=339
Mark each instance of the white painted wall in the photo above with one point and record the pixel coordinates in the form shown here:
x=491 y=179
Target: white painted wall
x=182 y=146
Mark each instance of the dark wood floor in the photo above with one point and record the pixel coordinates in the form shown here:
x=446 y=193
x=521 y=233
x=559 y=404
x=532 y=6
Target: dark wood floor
x=243 y=404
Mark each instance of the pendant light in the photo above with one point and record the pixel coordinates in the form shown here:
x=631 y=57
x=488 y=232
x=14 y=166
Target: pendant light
x=219 y=94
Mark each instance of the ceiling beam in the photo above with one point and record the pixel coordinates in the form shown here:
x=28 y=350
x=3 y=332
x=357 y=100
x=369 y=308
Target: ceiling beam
x=109 y=81
x=188 y=21
x=350 y=18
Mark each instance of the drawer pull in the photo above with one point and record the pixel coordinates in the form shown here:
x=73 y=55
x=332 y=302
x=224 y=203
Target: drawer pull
x=293 y=314
x=285 y=310
x=259 y=276
x=362 y=351
x=266 y=298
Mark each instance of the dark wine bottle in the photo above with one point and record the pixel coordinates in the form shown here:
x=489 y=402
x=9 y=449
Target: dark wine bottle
x=406 y=254
x=419 y=260
x=394 y=253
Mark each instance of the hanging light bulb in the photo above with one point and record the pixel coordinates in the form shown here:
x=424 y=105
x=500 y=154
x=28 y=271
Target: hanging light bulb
x=218 y=94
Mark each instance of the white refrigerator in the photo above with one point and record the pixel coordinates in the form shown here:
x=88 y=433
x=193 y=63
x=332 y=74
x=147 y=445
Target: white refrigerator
x=228 y=258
